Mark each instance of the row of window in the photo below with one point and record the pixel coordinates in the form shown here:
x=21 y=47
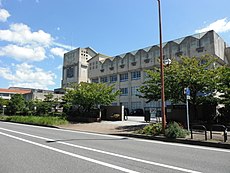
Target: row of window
x=136 y=75
x=134 y=105
x=134 y=91
x=4 y=94
x=93 y=65
x=138 y=105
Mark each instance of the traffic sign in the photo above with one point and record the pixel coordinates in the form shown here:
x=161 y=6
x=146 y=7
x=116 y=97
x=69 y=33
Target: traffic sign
x=187 y=91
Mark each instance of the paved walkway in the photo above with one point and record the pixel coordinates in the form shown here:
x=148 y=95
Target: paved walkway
x=133 y=124
x=109 y=127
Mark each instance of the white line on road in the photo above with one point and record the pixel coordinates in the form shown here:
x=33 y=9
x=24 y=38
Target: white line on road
x=105 y=152
x=72 y=154
x=141 y=140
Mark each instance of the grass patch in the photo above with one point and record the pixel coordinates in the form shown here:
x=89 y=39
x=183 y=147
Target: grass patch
x=39 y=120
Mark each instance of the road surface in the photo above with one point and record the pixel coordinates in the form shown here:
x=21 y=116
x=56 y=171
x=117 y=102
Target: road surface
x=33 y=149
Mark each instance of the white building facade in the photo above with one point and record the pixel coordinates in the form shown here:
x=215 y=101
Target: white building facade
x=127 y=71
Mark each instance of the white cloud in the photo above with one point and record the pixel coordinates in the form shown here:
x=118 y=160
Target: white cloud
x=21 y=34
x=4 y=14
x=26 y=53
x=68 y=47
x=58 y=51
x=60 y=67
x=25 y=75
x=221 y=25
x=26 y=45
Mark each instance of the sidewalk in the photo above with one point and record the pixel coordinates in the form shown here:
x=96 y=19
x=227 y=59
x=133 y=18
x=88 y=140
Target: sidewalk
x=107 y=127
x=127 y=128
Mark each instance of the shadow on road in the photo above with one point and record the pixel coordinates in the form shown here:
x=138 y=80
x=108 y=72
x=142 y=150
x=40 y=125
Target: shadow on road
x=66 y=140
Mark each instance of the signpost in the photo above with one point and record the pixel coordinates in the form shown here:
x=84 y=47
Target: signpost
x=3 y=109
x=187 y=93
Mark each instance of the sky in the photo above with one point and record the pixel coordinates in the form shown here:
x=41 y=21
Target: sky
x=35 y=34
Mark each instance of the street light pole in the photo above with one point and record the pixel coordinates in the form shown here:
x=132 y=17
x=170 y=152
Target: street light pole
x=162 y=72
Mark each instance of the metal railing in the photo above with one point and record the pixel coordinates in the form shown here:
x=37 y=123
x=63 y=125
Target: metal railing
x=220 y=128
x=199 y=128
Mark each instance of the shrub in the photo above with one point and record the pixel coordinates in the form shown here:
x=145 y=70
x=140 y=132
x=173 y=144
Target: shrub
x=40 y=120
x=174 y=130
x=151 y=129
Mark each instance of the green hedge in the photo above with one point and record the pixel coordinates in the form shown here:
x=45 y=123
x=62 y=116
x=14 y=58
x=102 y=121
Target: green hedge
x=151 y=129
x=40 y=120
x=175 y=130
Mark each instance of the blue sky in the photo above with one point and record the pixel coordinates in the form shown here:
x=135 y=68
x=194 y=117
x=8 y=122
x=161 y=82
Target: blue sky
x=34 y=34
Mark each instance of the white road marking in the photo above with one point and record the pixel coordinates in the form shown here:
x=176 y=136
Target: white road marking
x=135 y=139
x=184 y=145
x=72 y=154
x=105 y=152
x=64 y=130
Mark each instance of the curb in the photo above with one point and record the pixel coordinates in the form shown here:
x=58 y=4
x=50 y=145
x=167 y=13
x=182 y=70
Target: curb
x=182 y=141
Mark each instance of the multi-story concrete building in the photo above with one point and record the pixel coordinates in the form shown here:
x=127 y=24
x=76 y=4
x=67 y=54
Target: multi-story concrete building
x=75 y=66
x=126 y=71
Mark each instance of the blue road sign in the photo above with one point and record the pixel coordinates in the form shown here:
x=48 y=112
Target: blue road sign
x=187 y=92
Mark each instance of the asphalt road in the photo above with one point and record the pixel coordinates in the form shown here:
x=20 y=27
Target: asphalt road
x=33 y=149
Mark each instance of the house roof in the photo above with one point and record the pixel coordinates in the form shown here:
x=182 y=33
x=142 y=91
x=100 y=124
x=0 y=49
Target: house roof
x=14 y=91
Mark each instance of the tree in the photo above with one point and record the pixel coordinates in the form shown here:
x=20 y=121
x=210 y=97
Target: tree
x=224 y=86
x=224 y=94
x=198 y=74
x=3 y=102
x=43 y=108
x=87 y=96
x=17 y=104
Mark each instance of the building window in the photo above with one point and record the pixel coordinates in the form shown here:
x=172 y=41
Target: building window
x=95 y=80
x=113 y=78
x=5 y=94
x=135 y=105
x=70 y=72
x=124 y=77
x=104 y=79
x=136 y=75
x=134 y=91
x=124 y=91
x=114 y=104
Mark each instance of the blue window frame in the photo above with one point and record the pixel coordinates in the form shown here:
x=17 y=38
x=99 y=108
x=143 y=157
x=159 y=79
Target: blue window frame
x=124 y=91
x=124 y=77
x=136 y=75
x=104 y=79
x=113 y=78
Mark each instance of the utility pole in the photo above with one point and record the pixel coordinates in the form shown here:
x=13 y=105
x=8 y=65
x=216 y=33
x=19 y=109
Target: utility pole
x=162 y=71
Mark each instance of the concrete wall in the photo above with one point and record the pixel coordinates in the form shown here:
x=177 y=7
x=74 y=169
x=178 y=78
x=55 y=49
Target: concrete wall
x=112 y=113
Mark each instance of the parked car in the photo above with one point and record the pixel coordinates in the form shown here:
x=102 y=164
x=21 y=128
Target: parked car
x=137 y=112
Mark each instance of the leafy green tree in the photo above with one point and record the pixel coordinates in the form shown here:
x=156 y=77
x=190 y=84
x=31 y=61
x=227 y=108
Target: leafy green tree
x=43 y=108
x=49 y=97
x=87 y=96
x=224 y=94
x=196 y=73
x=3 y=102
x=224 y=86
x=17 y=104
x=30 y=107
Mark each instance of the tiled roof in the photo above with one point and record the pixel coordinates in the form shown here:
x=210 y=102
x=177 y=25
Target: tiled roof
x=2 y=90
